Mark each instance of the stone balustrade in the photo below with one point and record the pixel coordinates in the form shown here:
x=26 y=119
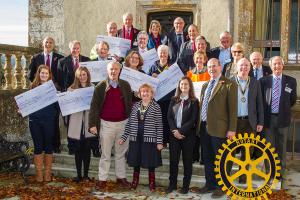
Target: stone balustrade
x=14 y=62
x=13 y=75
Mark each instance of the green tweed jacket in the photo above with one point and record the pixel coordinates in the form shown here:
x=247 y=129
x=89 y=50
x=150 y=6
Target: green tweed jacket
x=222 y=108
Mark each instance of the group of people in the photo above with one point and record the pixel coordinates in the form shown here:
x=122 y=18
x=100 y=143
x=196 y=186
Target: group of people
x=239 y=96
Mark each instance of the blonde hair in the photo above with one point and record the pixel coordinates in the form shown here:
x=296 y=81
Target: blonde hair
x=155 y=22
x=37 y=79
x=76 y=84
x=146 y=85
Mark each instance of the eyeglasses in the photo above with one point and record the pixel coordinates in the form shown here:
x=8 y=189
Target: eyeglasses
x=237 y=51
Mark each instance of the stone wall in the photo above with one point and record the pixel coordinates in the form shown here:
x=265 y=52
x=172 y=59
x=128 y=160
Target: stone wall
x=13 y=125
x=66 y=20
x=46 y=18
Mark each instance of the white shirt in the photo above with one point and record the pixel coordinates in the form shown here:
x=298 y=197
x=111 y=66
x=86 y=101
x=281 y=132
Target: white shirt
x=46 y=57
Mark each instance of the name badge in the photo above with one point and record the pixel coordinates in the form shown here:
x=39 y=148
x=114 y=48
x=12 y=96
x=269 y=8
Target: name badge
x=287 y=89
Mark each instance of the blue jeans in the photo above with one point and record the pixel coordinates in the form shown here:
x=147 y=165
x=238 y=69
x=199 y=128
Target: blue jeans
x=42 y=133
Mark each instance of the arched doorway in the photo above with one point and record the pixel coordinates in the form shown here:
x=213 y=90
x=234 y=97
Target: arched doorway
x=166 y=19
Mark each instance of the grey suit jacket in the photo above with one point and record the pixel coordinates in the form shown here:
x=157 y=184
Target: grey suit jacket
x=255 y=103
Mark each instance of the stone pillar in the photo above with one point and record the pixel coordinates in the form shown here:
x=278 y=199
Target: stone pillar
x=8 y=72
x=18 y=71
x=25 y=72
x=285 y=29
x=245 y=24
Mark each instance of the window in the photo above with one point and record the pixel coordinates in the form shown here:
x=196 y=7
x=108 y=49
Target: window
x=294 y=44
x=267 y=19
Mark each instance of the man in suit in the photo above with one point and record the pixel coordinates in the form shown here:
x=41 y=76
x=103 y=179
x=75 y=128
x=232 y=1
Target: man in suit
x=128 y=31
x=279 y=95
x=185 y=59
x=68 y=65
x=218 y=121
x=250 y=106
x=259 y=70
x=176 y=38
x=47 y=57
x=223 y=52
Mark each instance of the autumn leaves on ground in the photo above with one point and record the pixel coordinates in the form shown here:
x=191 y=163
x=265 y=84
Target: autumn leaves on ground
x=12 y=185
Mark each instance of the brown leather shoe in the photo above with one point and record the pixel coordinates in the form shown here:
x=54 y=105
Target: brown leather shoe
x=205 y=190
x=122 y=182
x=217 y=193
x=101 y=185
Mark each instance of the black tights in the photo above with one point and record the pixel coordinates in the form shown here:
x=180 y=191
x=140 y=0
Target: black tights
x=83 y=154
x=138 y=169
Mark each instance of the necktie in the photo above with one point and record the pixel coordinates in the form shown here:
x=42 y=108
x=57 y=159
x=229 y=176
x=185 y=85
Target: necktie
x=179 y=114
x=205 y=101
x=179 y=40
x=255 y=73
x=127 y=34
x=193 y=47
x=48 y=60
x=275 y=96
x=76 y=63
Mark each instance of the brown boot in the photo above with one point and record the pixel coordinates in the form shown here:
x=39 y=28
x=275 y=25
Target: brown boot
x=48 y=167
x=38 y=160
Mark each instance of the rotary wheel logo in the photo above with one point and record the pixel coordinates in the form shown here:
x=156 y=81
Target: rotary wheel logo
x=249 y=169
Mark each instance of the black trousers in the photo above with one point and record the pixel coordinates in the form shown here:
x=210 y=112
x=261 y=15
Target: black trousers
x=83 y=156
x=243 y=126
x=186 y=146
x=210 y=145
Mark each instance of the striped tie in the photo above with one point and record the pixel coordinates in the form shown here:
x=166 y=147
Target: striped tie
x=275 y=96
x=205 y=101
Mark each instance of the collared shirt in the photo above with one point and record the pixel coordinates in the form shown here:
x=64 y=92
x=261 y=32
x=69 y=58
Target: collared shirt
x=242 y=106
x=142 y=50
x=259 y=71
x=224 y=56
x=216 y=83
x=113 y=84
x=179 y=112
x=46 y=57
x=102 y=59
x=280 y=86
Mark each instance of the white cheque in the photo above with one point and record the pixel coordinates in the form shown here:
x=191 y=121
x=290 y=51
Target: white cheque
x=37 y=98
x=149 y=58
x=75 y=101
x=136 y=78
x=118 y=46
x=168 y=81
x=198 y=87
x=97 y=69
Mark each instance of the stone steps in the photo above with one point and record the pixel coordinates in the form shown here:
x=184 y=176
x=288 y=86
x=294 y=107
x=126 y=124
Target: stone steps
x=65 y=158
x=162 y=178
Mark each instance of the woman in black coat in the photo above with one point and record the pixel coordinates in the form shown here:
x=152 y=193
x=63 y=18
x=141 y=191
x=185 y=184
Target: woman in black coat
x=182 y=117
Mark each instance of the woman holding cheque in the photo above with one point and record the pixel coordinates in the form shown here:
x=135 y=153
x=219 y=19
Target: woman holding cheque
x=42 y=129
x=78 y=128
x=145 y=131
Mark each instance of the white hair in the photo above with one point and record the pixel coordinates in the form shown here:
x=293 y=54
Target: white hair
x=274 y=57
x=163 y=48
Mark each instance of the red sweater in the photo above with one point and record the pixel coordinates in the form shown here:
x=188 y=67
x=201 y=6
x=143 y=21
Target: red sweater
x=113 y=109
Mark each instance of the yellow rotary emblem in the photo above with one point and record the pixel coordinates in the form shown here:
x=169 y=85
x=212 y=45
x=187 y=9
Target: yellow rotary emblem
x=248 y=168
